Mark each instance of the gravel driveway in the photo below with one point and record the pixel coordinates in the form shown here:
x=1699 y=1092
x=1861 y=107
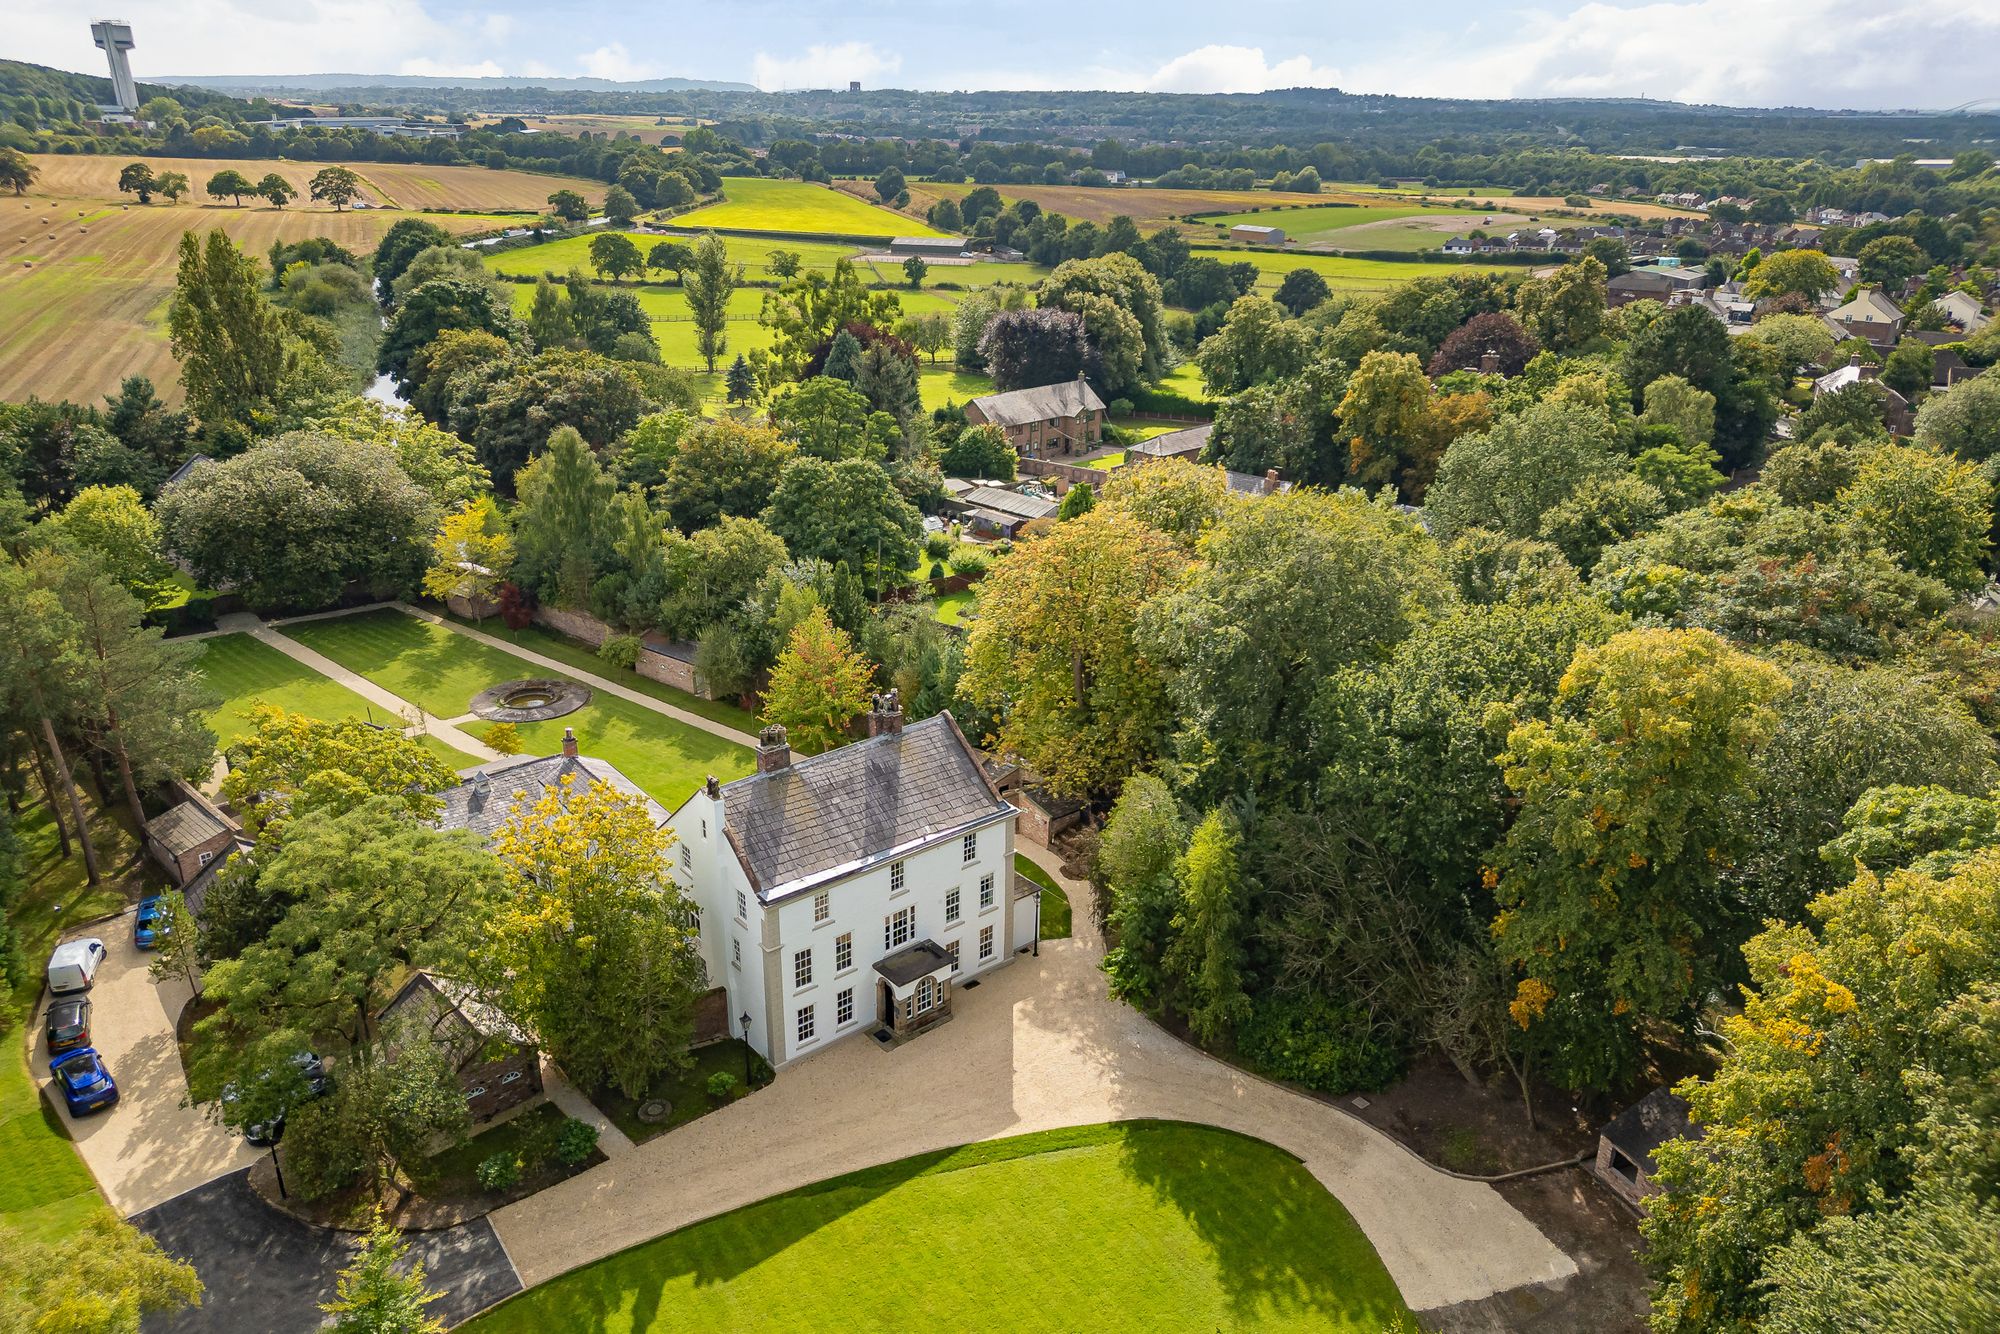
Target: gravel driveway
x=1039 y=1045
x=149 y=1147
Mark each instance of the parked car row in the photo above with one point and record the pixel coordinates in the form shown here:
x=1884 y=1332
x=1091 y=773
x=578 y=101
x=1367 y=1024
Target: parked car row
x=80 y=1073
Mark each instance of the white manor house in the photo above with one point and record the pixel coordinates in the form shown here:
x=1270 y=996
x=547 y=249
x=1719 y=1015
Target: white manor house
x=850 y=892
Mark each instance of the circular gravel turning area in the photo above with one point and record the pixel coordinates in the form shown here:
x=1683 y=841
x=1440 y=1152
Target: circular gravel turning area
x=530 y=701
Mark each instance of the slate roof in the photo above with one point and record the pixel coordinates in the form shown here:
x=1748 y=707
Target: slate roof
x=485 y=802
x=185 y=827
x=1018 y=407
x=1003 y=501
x=1188 y=440
x=195 y=892
x=824 y=816
x=180 y=474
x=1647 y=1124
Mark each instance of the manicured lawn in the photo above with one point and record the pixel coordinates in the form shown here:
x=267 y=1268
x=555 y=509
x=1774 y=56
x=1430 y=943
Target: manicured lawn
x=247 y=672
x=945 y=383
x=1055 y=903
x=951 y=608
x=442 y=670
x=1141 y=1226
x=426 y=664
x=1106 y=462
x=45 y=1190
x=1185 y=379
x=753 y=203
x=687 y=1094
x=549 y=644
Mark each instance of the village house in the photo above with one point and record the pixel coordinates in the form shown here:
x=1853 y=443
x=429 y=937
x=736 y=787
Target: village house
x=1186 y=443
x=1051 y=419
x=1870 y=316
x=854 y=891
x=497 y=1065
x=1896 y=412
x=1963 y=310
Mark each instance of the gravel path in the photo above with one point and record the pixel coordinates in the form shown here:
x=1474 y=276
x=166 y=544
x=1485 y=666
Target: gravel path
x=1036 y=1046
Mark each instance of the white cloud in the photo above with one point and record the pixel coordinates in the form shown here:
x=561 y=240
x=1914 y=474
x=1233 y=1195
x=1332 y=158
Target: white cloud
x=438 y=69
x=612 y=61
x=241 y=36
x=825 y=67
x=1822 y=53
x=1234 y=69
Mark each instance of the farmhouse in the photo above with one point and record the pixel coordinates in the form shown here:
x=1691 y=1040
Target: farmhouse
x=1051 y=419
x=1183 y=444
x=853 y=891
x=496 y=1064
x=1252 y=234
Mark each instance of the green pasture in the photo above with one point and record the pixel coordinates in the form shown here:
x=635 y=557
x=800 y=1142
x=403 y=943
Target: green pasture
x=755 y=203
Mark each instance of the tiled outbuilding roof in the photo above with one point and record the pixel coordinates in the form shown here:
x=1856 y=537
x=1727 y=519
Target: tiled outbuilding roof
x=827 y=815
x=185 y=827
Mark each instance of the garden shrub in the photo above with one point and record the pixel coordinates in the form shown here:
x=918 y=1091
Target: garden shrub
x=970 y=563
x=1119 y=407
x=620 y=651
x=575 y=1142
x=1316 y=1042
x=721 y=1084
x=504 y=738
x=500 y=1171
x=517 y=606
x=937 y=570
x=937 y=546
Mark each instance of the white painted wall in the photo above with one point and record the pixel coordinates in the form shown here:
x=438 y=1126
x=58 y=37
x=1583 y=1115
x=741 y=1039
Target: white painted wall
x=857 y=906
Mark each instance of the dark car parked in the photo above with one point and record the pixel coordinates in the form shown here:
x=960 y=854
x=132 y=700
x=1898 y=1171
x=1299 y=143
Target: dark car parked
x=317 y=1083
x=68 y=1024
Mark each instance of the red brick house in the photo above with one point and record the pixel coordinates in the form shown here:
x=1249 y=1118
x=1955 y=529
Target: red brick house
x=1066 y=418
x=498 y=1066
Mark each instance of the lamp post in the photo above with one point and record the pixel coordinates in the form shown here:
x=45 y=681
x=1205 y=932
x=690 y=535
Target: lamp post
x=744 y=1019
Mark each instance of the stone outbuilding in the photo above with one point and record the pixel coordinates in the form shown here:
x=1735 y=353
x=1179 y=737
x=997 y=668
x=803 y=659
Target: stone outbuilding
x=1626 y=1143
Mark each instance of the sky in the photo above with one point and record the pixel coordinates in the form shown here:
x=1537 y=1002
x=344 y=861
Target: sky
x=1864 y=54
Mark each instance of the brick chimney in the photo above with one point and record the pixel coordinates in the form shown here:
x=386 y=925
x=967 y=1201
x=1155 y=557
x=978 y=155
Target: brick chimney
x=886 y=718
x=711 y=787
x=774 y=752
x=1271 y=482
x=1489 y=362
x=569 y=743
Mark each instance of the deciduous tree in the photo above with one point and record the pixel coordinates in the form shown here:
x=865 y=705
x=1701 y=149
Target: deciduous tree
x=819 y=685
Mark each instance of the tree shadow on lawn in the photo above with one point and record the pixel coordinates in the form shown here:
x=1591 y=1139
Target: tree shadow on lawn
x=1284 y=1247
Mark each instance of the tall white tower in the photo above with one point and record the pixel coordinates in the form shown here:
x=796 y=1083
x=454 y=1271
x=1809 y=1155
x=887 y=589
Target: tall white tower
x=115 y=37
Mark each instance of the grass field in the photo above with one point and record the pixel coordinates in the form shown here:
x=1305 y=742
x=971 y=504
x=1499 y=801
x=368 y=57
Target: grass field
x=442 y=670
x=1322 y=225
x=403 y=185
x=647 y=129
x=1151 y=209
x=1142 y=1226
x=942 y=384
x=1341 y=273
x=573 y=252
x=86 y=273
x=754 y=203
x=246 y=672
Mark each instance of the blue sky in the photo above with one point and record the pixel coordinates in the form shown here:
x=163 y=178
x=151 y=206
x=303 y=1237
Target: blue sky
x=1831 y=53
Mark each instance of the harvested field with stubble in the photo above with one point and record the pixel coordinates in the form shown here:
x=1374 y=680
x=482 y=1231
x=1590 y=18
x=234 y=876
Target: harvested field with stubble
x=403 y=185
x=86 y=273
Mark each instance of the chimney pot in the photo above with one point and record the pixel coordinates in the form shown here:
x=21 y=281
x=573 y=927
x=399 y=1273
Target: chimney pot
x=569 y=743
x=1270 y=481
x=774 y=751
x=886 y=718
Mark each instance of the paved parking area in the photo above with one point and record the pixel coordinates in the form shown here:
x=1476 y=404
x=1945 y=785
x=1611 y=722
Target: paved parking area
x=151 y=1146
x=266 y=1272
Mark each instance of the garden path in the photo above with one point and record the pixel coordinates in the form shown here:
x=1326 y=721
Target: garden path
x=451 y=735
x=1037 y=1046
x=590 y=679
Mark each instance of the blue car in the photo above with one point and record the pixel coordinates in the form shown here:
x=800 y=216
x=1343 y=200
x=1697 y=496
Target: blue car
x=85 y=1082
x=149 y=925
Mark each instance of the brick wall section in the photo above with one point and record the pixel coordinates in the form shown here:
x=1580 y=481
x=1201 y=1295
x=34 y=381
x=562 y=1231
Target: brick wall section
x=654 y=665
x=1064 y=475
x=500 y=1094
x=576 y=624
x=1633 y=1192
